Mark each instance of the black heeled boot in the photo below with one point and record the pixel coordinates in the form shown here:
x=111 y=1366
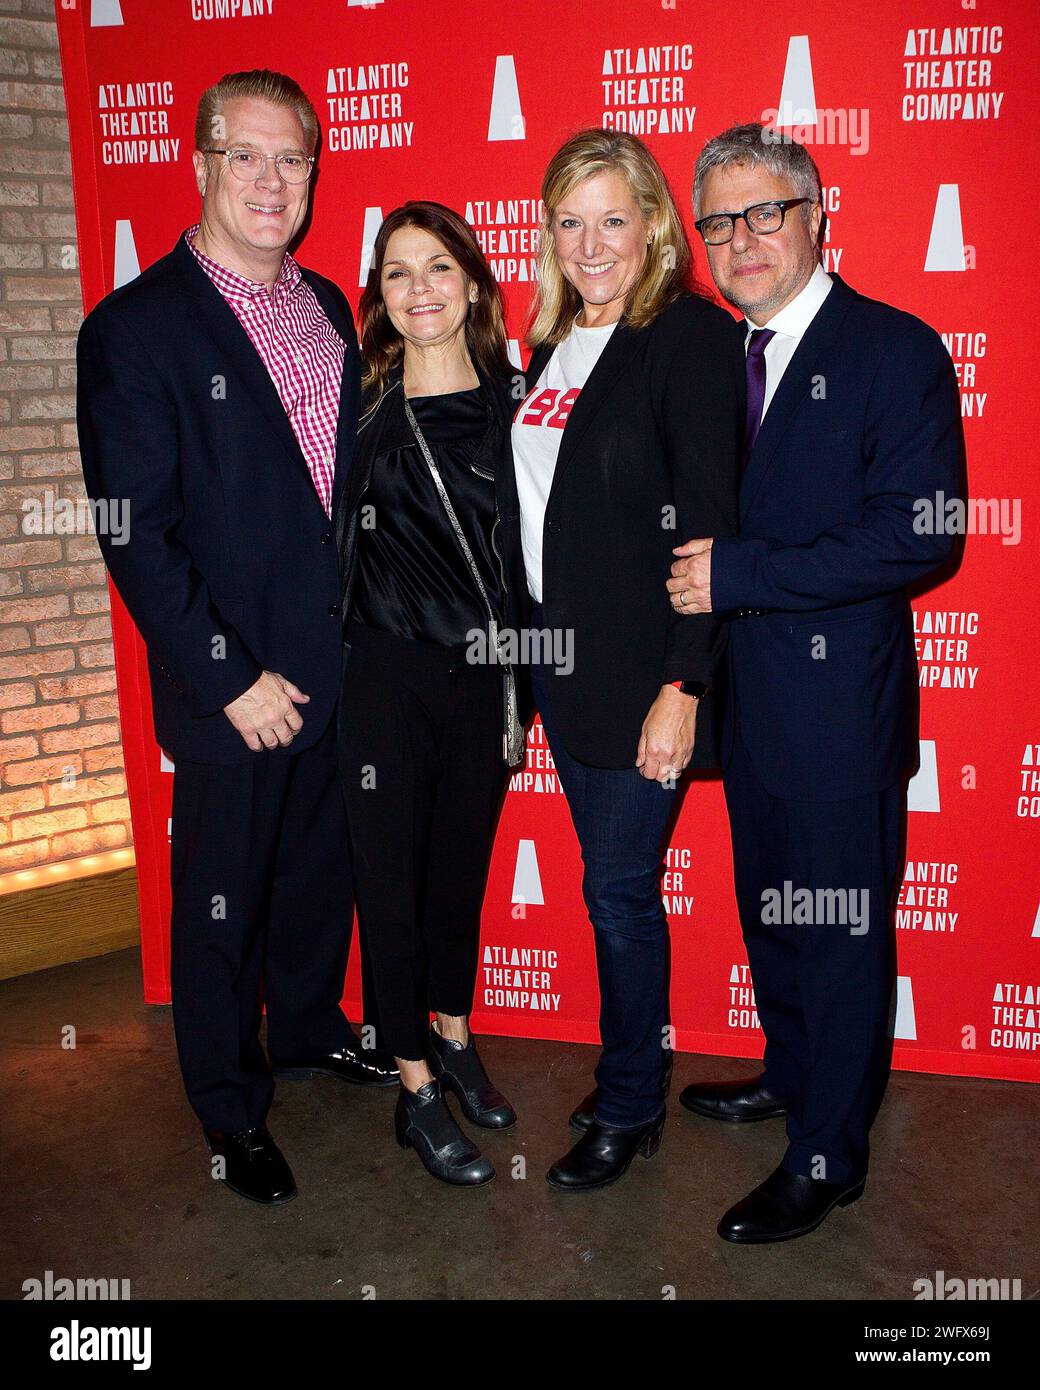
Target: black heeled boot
x=460 y=1070
x=582 y=1117
x=603 y=1154
x=423 y=1122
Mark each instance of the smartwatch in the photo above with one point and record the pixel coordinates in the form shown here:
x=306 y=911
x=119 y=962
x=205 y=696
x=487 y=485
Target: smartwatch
x=696 y=688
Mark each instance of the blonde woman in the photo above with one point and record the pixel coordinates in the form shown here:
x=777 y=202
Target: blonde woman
x=627 y=441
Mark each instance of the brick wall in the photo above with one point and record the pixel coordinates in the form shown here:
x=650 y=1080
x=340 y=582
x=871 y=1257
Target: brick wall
x=62 y=792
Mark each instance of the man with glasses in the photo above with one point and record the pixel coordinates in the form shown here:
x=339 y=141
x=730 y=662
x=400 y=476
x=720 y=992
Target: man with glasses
x=218 y=394
x=852 y=416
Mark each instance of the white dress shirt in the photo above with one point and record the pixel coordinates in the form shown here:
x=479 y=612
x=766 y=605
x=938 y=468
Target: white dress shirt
x=788 y=325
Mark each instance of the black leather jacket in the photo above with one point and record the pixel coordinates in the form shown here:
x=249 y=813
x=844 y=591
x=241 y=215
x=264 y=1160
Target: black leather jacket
x=383 y=427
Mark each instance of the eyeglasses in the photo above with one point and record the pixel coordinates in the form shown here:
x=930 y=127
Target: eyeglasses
x=761 y=218
x=248 y=165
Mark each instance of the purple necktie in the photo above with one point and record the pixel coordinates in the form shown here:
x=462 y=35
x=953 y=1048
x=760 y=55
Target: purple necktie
x=756 y=386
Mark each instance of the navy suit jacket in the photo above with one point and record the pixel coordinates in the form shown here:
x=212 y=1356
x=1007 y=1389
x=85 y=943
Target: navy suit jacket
x=864 y=423
x=230 y=567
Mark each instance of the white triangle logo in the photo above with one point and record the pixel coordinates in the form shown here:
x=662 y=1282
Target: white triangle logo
x=1036 y=922
x=513 y=352
x=946 y=243
x=903 y=1019
x=105 y=13
x=127 y=266
x=798 y=96
x=923 y=792
x=507 y=120
x=373 y=221
x=165 y=763
x=527 y=881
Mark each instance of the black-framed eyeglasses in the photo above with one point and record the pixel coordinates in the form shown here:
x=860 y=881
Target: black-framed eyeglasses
x=248 y=165
x=761 y=218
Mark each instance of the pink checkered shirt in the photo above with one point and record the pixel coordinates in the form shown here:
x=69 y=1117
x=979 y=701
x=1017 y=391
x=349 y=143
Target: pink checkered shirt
x=300 y=349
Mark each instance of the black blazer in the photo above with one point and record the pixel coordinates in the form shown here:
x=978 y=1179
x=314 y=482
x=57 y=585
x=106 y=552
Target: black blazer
x=383 y=427
x=828 y=540
x=230 y=567
x=648 y=460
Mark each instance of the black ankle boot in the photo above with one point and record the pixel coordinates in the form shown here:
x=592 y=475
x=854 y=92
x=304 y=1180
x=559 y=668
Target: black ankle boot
x=603 y=1154
x=459 y=1069
x=582 y=1117
x=423 y=1122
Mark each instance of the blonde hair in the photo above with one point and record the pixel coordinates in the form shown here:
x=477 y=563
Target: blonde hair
x=665 y=274
x=263 y=85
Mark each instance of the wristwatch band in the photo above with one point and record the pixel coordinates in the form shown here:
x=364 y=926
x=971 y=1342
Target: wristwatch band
x=695 y=688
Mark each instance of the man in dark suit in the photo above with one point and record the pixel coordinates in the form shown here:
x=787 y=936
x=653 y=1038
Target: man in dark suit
x=853 y=422
x=218 y=395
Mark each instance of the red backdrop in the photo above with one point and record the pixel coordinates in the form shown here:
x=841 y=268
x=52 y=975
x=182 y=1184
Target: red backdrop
x=918 y=112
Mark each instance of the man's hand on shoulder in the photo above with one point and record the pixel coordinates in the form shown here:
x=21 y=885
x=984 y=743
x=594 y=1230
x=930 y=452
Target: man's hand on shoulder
x=265 y=714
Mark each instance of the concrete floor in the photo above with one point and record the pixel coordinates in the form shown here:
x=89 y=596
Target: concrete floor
x=105 y=1175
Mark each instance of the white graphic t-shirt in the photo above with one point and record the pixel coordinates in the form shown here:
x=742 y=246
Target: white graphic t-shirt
x=538 y=430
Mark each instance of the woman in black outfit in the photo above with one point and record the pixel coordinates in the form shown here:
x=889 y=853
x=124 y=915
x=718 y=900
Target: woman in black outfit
x=423 y=715
x=628 y=439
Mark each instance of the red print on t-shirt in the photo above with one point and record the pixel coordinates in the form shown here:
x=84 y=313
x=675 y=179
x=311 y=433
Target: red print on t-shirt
x=547 y=406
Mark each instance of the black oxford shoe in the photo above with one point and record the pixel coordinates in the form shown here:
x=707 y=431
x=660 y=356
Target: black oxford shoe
x=423 y=1122
x=737 y=1101
x=362 y=1066
x=460 y=1070
x=785 y=1206
x=602 y=1155
x=585 y=1112
x=253 y=1165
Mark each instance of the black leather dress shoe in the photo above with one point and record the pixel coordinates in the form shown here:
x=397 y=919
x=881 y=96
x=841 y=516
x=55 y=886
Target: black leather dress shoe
x=786 y=1205
x=582 y=1117
x=253 y=1165
x=737 y=1101
x=603 y=1154
x=424 y=1123
x=459 y=1069
x=362 y=1066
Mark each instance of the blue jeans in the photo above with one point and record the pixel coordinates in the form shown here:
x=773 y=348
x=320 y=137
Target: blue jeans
x=621 y=821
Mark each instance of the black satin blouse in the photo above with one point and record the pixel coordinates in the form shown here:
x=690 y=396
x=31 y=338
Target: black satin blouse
x=413 y=579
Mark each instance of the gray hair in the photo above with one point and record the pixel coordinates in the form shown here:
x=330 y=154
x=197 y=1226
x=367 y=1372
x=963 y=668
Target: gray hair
x=763 y=147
